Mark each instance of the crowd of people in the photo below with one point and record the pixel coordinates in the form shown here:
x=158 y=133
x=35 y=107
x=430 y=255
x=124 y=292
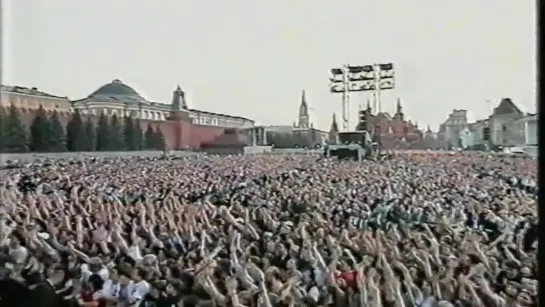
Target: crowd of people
x=422 y=229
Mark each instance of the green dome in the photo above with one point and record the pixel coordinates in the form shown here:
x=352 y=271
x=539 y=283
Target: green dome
x=116 y=89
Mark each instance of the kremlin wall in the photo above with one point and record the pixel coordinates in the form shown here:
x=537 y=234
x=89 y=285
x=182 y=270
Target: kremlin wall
x=182 y=127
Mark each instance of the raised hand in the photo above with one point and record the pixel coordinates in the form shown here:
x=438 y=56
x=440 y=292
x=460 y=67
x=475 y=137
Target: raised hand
x=231 y=284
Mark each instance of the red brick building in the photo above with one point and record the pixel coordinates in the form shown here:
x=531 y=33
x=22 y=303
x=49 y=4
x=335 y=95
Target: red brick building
x=182 y=127
x=394 y=132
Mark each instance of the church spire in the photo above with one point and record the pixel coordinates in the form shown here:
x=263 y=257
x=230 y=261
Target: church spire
x=399 y=110
x=333 y=130
x=369 y=110
x=303 y=119
x=178 y=99
x=334 y=126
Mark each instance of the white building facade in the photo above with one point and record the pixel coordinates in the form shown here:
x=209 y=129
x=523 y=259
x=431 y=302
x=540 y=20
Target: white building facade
x=451 y=129
x=117 y=98
x=477 y=131
x=531 y=128
x=504 y=124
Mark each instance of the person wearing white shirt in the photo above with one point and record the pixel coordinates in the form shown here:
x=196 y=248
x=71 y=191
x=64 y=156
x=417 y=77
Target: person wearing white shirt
x=110 y=289
x=17 y=252
x=95 y=266
x=122 y=291
x=135 y=253
x=138 y=289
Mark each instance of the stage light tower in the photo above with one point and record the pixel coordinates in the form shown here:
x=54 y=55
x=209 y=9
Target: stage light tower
x=368 y=78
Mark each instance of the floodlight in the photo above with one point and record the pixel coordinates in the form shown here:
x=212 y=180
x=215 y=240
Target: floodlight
x=386 y=74
x=368 y=68
x=354 y=69
x=386 y=84
x=361 y=86
x=386 y=66
x=361 y=76
x=356 y=87
x=336 y=79
x=336 y=71
x=337 y=88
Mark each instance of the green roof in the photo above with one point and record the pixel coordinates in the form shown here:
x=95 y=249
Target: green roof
x=117 y=89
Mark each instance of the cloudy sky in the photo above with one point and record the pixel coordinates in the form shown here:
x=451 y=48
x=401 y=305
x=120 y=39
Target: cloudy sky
x=254 y=57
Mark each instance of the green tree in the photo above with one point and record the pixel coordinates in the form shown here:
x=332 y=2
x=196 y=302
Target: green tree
x=57 y=136
x=117 y=141
x=40 y=132
x=89 y=132
x=75 y=133
x=131 y=139
x=103 y=133
x=15 y=134
x=160 y=143
x=149 y=138
x=138 y=135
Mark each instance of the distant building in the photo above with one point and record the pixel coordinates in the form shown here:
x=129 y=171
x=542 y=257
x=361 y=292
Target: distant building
x=465 y=139
x=449 y=131
x=393 y=131
x=531 y=128
x=507 y=126
x=477 y=131
x=301 y=134
x=333 y=131
x=117 y=98
x=28 y=100
x=520 y=132
x=501 y=130
x=182 y=127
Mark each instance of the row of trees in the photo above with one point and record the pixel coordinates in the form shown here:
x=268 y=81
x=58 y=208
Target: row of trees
x=48 y=134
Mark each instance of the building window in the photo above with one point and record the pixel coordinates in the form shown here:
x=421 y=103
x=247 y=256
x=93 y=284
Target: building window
x=215 y=121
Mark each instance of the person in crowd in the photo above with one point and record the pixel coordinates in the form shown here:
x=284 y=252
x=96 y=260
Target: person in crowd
x=419 y=229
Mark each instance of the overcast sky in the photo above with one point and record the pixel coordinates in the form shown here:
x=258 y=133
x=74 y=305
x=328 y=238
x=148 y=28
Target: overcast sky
x=254 y=57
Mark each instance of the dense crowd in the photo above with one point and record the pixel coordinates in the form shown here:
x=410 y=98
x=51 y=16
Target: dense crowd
x=278 y=230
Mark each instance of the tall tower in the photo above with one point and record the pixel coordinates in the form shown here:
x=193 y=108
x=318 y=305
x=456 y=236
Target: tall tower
x=399 y=111
x=369 y=109
x=303 y=120
x=333 y=130
x=178 y=100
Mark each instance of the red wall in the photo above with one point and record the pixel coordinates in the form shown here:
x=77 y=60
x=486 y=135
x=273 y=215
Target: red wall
x=179 y=133
x=182 y=134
